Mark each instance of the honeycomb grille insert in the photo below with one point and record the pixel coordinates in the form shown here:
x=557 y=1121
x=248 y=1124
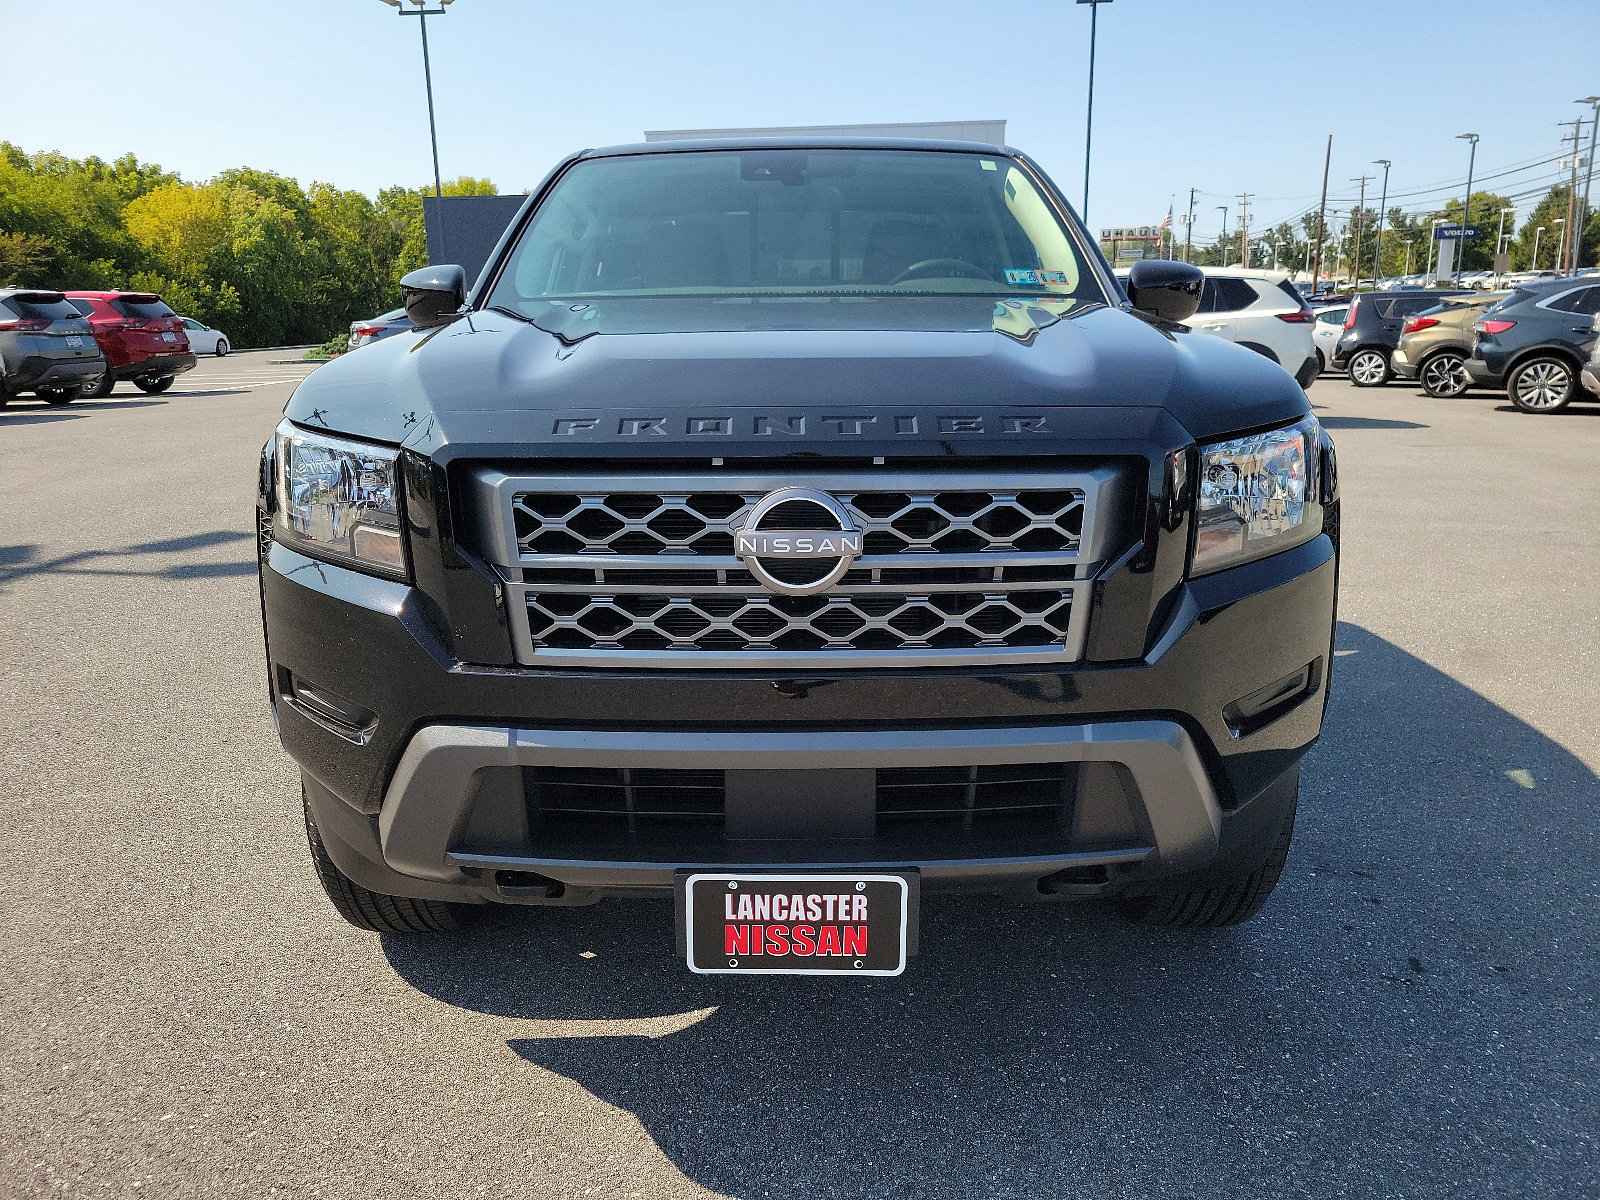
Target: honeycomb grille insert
x=642 y=571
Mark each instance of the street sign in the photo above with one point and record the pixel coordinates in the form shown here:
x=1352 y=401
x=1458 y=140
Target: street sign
x=1449 y=233
x=1502 y=263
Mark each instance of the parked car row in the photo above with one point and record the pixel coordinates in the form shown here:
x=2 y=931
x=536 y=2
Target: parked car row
x=63 y=345
x=1538 y=340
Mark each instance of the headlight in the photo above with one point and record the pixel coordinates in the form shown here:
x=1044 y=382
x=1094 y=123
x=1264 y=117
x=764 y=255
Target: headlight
x=338 y=500
x=1257 y=496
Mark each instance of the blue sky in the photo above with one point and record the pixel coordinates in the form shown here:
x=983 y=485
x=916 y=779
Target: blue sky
x=1225 y=95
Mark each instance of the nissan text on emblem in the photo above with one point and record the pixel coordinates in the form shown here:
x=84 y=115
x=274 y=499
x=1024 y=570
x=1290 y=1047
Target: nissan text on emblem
x=798 y=541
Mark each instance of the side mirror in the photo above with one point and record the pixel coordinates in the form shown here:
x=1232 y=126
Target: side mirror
x=1164 y=288
x=433 y=295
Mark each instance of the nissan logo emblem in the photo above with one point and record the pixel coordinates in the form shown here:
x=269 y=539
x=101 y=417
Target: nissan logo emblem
x=798 y=541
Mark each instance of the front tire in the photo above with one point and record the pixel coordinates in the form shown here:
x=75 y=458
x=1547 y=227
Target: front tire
x=1445 y=375
x=1237 y=896
x=374 y=911
x=1369 y=368
x=154 y=386
x=1542 y=385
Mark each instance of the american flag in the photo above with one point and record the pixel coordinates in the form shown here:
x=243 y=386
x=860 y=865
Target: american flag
x=1166 y=221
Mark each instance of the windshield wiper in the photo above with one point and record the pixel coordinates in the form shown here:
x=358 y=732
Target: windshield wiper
x=566 y=339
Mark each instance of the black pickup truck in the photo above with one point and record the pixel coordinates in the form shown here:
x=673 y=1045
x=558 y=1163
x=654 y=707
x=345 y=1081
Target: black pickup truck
x=791 y=529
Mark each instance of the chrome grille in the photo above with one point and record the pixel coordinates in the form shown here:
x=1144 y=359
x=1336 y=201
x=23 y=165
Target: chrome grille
x=958 y=566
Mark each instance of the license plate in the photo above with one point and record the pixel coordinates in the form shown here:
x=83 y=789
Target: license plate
x=169 y=337
x=74 y=341
x=800 y=924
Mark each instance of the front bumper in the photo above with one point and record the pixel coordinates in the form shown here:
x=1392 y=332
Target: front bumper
x=1590 y=378
x=421 y=788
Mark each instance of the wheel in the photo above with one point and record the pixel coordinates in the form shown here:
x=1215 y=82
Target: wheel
x=1322 y=362
x=222 y=347
x=1445 y=375
x=1369 y=368
x=1236 y=896
x=1541 y=385
x=154 y=386
x=373 y=911
x=101 y=387
x=59 y=395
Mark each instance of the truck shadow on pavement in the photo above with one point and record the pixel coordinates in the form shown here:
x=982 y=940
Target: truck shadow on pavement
x=42 y=413
x=18 y=561
x=1414 y=1012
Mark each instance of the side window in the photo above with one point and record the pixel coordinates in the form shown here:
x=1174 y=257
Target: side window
x=82 y=306
x=1585 y=301
x=1233 y=295
x=1208 y=297
x=1404 y=308
x=1288 y=289
x=188 y=323
x=1331 y=316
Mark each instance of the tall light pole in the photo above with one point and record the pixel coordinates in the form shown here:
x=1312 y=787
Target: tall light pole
x=1588 y=177
x=1561 y=240
x=1537 y=234
x=1224 y=242
x=1377 y=249
x=1088 y=123
x=422 y=12
x=1410 y=244
x=1466 y=202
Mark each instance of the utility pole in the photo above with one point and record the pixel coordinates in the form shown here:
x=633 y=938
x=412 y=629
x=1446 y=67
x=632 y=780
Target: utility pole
x=1466 y=202
x=1244 y=229
x=1322 y=208
x=1588 y=178
x=1361 y=207
x=1573 y=231
x=1377 y=251
x=1188 y=228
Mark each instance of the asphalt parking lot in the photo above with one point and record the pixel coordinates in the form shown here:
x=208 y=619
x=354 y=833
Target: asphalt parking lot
x=182 y=1014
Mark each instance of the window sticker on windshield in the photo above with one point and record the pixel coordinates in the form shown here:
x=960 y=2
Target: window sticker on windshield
x=1029 y=277
x=987 y=165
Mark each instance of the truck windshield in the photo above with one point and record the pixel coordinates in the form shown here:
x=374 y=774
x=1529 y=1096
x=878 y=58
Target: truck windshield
x=793 y=223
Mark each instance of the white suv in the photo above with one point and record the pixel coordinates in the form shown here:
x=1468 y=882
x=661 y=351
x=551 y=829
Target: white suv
x=1259 y=308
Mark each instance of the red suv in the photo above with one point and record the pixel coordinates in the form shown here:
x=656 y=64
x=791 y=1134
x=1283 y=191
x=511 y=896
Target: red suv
x=142 y=339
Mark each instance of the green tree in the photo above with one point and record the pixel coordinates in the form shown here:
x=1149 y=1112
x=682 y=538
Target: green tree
x=250 y=249
x=1553 y=207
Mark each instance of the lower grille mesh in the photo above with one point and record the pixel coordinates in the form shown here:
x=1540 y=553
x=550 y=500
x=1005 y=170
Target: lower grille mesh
x=967 y=798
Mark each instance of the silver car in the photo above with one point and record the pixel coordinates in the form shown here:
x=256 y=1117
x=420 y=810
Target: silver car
x=47 y=347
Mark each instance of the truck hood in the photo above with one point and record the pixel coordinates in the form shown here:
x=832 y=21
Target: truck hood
x=820 y=376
